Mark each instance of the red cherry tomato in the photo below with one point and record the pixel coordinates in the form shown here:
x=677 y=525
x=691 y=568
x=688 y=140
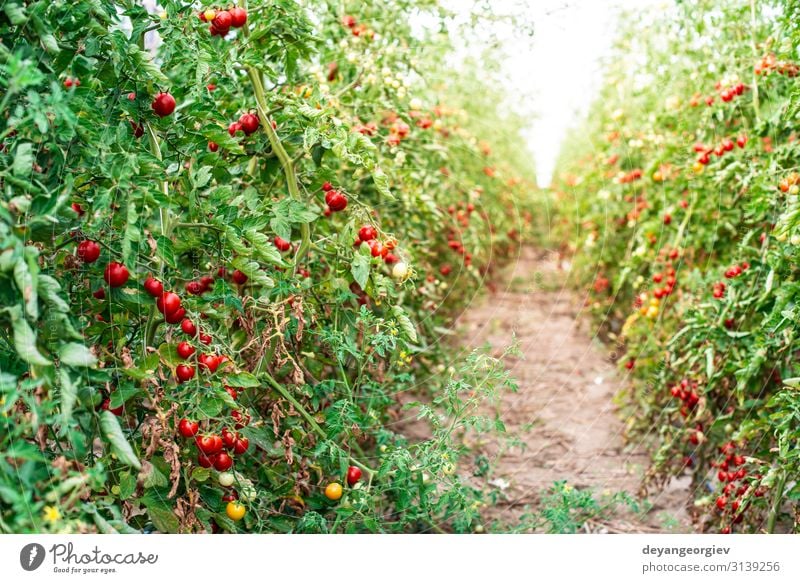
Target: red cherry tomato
x=88 y=251
x=353 y=475
x=185 y=350
x=184 y=372
x=153 y=287
x=116 y=274
x=163 y=104
x=188 y=428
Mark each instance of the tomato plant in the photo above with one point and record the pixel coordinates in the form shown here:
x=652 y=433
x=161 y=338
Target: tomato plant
x=682 y=200
x=181 y=194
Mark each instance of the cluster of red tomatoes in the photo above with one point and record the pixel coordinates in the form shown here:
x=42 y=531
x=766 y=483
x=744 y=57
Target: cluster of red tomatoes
x=736 y=270
x=223 y=20
x=718 y=289
x=668 y=277
x=790 y=183
x=357 y=29
x=369 y=235
x=686 y=391
x=248 y=124
x=730 y=471
x=726 y=145
x=726 y=92
x=769 y=63
x=628 y=177
x=72 y=82
x=214 y=450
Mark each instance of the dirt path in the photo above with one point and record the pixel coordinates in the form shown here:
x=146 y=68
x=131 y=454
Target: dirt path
x=563 y=412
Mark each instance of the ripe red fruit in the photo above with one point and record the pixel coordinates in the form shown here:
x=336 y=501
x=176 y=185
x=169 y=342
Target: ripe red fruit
x=137 y=128
x=353 y=475
x=234 y=127
x=232 y=392
x=77 y=208
x=163 y=104
x=326 y=186
x=213 y=146
x=175 y=316
x=229 y=438
x=205 y=339
x=106 y=406
x=282 y=244
x=168 y=303
x=153 y=287
x=238 y=17
x=210 y=362
x=100 y=294
x=367 y=233
x=741 y=141
x=188 y=428
x=336 y=200
x=223 y=463
x=184 y=372
x=67 y=82
x=185 y=350
x=222 y=20
x=206 y=461
x=211 y=87
x=722 y=501
x=194 y=288
x=88 y=251
x=188 y=327
x=206 y=281
x=249 y=123
x=376 y=248
x=239 y=277
x=116 y=274
x=242 y=444
x=667 y=219
x=209 y=444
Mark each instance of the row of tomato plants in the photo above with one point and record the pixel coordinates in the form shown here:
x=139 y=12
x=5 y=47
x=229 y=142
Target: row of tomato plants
x=679 y=200
x=232 y=236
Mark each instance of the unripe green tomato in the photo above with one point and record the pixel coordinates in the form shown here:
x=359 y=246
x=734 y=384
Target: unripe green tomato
x=400 y=271
x=225 y=479
x=247 y=493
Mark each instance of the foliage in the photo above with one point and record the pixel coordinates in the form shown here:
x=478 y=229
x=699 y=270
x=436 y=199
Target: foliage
x=679 y=195
x=319 y=341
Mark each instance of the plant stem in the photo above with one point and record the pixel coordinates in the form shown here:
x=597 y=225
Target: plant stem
x=286 y=162
x=308 y=417
x=756 y=106
x=776 y=503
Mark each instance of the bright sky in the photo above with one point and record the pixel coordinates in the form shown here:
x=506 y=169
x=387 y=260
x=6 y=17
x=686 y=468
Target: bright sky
x=557 y=73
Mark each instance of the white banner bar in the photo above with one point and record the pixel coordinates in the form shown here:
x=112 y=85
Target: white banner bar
x=402 y=558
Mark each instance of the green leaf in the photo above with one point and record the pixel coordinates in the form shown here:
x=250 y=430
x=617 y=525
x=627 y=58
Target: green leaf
x=405 y=323
x=23 y=160
x=25 y=339
x=242 y=379
x=163 y=518
x=48 y=288
x=359 y=268
x=16 y=13
x=109 y=425
x=26 y=277
x=127 y=485
x=69 y=394
x=165 y=250
x=77 y=355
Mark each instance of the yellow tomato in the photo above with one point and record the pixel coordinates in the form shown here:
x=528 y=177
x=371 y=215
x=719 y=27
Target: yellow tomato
x=210 y=15
x=333 y=491
x=235 y=511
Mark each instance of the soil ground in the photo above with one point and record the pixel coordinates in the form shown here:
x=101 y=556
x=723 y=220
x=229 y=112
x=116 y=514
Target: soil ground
x=563 y=414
